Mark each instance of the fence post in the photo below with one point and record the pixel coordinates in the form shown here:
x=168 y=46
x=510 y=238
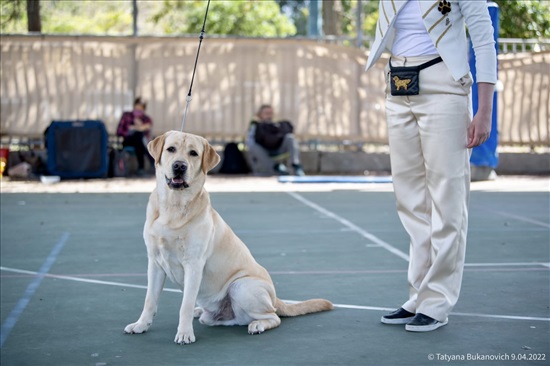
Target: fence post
x=135 y=18
x=359 y=24
x=133 y=71
x=314 y=20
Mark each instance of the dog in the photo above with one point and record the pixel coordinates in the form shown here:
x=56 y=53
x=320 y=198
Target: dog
x=188 y=242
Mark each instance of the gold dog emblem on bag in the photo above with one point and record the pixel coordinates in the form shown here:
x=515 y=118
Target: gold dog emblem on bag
x=401 y=83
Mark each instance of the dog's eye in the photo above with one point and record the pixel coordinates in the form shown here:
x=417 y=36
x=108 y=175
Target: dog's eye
x=171 y=149
x=193 y=153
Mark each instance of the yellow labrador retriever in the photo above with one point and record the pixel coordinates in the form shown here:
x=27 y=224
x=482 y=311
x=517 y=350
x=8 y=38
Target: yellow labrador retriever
x=189 y=242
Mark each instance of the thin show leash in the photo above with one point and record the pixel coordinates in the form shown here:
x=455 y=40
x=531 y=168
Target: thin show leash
x=188 y=98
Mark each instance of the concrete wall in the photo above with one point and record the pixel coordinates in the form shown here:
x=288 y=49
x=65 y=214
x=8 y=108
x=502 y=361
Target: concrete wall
x=359 y=163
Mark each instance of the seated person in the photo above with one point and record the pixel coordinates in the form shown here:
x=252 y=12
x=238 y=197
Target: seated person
x=270 y=151
x=135 y=128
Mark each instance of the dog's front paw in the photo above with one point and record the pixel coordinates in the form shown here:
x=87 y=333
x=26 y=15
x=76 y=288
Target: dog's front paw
x=137 y=327
x=255 y=327
x=185 y=337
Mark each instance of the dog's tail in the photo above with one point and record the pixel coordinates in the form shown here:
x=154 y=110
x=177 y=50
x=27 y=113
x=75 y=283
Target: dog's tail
x=303 y=307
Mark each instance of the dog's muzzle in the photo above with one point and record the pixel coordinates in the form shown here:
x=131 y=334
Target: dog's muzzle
x=179 y=168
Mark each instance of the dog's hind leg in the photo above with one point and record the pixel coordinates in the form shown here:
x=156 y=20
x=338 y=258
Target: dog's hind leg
x=198 y=312
x=252 y=301
x=218 y=314
x=269 y=321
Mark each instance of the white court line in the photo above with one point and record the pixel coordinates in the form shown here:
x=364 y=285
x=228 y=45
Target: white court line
x=507 y=264
x=80 y=279
x=520 y=218
x=396 y=251
x=275 y=272
x=350 y=225
x=342 y=306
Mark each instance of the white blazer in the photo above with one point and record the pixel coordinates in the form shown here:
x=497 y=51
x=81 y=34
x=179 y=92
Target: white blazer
x=448 y=33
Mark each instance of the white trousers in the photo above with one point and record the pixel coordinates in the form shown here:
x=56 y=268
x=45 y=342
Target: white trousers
x=431 y=177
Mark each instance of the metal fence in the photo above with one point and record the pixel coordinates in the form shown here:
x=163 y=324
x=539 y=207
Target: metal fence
x=321 y=87
x=515 y=45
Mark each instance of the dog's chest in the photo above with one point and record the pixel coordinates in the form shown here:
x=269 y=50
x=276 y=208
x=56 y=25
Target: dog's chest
x=168 y=256
x=171 y=250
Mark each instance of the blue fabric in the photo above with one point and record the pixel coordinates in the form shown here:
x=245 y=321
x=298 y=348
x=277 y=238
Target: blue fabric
x=333 y=179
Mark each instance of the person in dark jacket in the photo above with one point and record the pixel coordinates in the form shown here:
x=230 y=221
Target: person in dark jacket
x=269 y=152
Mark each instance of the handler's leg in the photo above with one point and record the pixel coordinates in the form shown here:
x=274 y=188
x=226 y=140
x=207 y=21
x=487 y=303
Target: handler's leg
x=409 y=181
x=444 y=138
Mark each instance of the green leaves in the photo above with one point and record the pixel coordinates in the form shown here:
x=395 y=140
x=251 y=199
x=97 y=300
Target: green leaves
x=524 y=19
x=169 y=17
x=246 y=18
x=237 y=18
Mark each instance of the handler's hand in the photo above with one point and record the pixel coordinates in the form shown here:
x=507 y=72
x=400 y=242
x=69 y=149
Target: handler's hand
x=480 y=128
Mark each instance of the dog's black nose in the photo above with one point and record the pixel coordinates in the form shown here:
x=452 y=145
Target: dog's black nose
x=179 y=167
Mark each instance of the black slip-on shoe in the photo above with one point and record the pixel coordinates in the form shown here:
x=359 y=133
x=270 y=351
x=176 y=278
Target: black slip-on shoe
x=424 y=323
x=399 y=316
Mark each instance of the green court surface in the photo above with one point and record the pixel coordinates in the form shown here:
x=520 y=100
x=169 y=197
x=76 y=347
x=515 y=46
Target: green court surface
x=73 y=275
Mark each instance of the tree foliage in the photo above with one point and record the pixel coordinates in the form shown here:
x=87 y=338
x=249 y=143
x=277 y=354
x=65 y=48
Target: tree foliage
x=297 y=11
x=168 y=17
x=71 y=17
x=238 y=18
x=524 y=19
x=13 y=16
x=345 y=10
x=251 y=18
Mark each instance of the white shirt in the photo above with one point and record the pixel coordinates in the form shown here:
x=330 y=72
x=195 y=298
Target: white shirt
x=448 y=34
x=411 y=37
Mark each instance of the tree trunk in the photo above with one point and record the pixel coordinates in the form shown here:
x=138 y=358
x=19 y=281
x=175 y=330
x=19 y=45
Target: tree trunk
x=332 y=11
x=33 y=16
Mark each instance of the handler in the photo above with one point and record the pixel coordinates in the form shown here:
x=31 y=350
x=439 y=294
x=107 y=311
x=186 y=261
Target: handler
x=430 y=131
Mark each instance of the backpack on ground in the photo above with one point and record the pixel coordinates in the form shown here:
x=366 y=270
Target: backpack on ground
x=233 y=160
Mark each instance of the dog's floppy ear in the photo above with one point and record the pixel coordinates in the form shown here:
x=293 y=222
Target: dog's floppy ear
x=155 y=147
x=210 y=158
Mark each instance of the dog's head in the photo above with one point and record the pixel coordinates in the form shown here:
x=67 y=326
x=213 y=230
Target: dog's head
x=182 y=159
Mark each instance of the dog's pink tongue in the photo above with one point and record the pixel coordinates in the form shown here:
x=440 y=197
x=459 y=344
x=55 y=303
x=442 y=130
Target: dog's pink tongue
x=177 y=180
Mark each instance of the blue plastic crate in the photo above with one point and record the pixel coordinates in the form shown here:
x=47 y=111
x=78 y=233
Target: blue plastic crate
x=77 y=149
